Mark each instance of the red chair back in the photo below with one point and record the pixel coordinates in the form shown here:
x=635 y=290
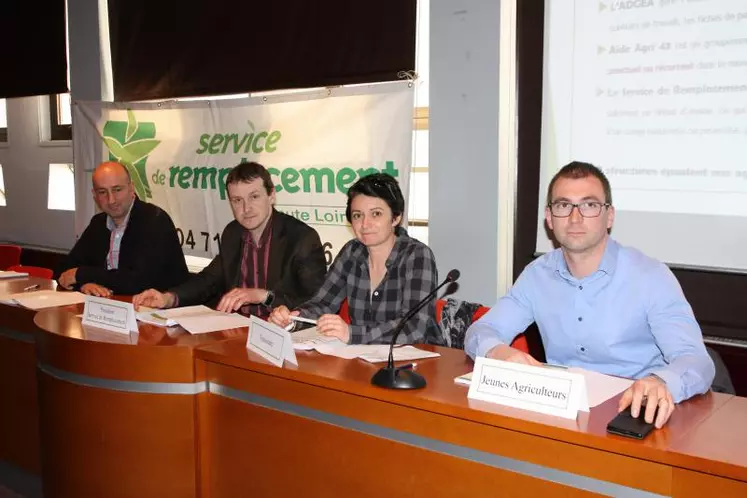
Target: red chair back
x=519 y=343
x=344 y=313
x=33 y=271
x=9 y=255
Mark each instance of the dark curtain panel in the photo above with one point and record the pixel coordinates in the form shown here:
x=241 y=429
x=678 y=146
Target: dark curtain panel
x=34 y=60
x=530 y=19
x=163 y=49
x=529 y=47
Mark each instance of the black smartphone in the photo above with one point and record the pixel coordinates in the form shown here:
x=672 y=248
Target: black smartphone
x=625 y=425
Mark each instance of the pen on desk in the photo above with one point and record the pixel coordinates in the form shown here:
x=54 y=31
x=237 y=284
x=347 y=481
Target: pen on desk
x=31 y=287
x=302 y=319
x=409 y=366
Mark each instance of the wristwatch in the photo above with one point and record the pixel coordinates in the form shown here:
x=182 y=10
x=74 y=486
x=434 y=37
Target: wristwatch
x=270 y=298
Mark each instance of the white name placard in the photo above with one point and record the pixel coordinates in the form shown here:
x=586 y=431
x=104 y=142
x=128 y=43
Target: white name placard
x=271 y=342
x=109 y=314
x=548 y=390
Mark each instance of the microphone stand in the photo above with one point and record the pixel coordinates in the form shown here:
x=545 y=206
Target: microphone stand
x=391 y=377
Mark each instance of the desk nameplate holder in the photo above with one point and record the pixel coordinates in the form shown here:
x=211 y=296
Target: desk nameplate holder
x=547 y=390
x=271 y=342
x=108 y=314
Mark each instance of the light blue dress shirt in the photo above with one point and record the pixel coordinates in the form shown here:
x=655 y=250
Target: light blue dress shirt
x=629 y=318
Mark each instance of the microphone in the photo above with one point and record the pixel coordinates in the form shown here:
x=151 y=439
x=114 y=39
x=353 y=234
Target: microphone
x=391 y=377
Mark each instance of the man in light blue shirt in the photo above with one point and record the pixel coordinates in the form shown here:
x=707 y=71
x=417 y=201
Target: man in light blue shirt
x=600 y=306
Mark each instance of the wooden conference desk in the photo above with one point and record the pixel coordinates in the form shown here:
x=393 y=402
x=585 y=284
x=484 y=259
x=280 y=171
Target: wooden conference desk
x=19 y=412
x=180 y=415
x=321 y=429
x=118 y=412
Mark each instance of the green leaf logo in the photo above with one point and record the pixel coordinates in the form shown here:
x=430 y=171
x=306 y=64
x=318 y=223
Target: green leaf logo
x=131 y=152
x=131 y=125
x=130 y=143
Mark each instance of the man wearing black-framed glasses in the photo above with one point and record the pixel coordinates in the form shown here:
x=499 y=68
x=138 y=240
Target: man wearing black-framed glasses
x=600 y=306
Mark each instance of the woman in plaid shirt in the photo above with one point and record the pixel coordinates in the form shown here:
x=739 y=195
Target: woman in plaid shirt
x=382 y=272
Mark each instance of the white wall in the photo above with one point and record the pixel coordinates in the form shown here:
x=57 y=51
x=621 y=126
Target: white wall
x=25 y=160
x=26 y=156
x=463 y=155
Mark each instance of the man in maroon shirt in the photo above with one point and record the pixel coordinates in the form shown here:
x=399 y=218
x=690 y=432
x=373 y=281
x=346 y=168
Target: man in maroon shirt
x=266 y=257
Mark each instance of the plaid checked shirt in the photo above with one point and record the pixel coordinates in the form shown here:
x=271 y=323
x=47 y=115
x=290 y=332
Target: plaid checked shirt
x=411 y=274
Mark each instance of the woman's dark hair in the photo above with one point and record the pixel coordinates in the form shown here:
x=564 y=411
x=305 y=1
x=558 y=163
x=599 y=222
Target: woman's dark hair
x=378 y=185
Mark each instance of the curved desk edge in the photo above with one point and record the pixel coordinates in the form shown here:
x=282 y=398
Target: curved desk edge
x=188 y=388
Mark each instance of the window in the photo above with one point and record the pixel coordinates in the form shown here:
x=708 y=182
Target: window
x=3 y=123
x=61 y=189
x=2 y=187
x=66 y=116
x=417 y=207
x=60 y=117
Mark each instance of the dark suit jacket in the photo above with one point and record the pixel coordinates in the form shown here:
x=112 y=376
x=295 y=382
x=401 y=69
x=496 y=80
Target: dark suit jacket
x=295 y=271
x=149 y=254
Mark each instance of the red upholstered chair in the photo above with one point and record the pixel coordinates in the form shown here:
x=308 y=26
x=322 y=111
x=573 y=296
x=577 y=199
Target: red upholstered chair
x=9 y=255
x=519 y=343
x=33 y=271
x=344 y=314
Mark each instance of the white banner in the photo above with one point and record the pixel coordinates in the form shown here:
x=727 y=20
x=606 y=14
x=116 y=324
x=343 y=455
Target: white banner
x=314 y=144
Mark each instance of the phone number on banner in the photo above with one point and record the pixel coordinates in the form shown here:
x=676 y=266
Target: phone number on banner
x=203 y=239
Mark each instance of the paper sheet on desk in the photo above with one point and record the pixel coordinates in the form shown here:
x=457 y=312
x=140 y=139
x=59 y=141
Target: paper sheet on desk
x=153 y=318
x=12 y=274
x=308 y=339
x=167 y=318
x=38 y=300
x=403 y=353
x=203 y=324
x=599 y=387
x=194 y=319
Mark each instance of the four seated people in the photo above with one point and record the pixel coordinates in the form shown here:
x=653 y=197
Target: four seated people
x=598 y=305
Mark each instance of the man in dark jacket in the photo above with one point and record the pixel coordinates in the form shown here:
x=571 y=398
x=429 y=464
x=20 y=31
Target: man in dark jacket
x=128 y=247
x=266 y=257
